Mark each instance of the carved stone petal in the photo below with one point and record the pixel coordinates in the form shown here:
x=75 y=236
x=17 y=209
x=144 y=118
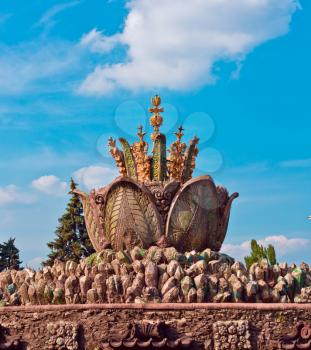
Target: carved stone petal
x=194 y=215
x=105 y=344
x=159 y=344
x=130 y=216
x=289 y=346
x=130 y=343
x=92 y=220
x=173 y=344
x=186 y=341
x=306 y=345
x=116 y=343
x=144 y=344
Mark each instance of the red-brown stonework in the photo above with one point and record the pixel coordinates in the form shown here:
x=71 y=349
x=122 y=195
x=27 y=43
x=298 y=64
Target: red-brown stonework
x=203 y=326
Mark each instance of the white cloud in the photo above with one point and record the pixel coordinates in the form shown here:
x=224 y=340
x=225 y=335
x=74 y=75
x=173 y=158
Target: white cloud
x=296 y=163
x=48 y=18
x=12 y=195
x=35 y=263
x=96 y=42
x=175 y=44
x=287 y=249
x=95 y=176
x=50 y=184
x=44 y=158
x=238 y=251
x=38 y=66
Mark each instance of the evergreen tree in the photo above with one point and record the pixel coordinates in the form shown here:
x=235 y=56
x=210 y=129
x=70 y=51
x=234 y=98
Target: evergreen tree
x=258 y=253
x=72 y=241
x=9 y=256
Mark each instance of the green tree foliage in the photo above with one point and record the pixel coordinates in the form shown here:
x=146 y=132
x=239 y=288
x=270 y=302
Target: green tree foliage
x=9 y=256
x=71 y=241
x=258 y=253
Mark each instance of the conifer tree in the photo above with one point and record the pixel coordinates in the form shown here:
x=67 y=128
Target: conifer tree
x=71 y=241
x=9 y=256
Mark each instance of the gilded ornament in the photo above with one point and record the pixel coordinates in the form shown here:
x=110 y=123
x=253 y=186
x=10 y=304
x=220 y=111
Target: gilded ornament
x=156 y=119
x=176 y=159
x=117 y=155
x=140 y=153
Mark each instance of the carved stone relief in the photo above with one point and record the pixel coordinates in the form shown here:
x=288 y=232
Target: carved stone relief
x=231 y=335
x=9 y=342
x=144 y=334
x=62 y=336
x=299 y=338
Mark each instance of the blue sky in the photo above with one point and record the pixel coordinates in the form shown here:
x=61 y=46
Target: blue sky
x=235 y=73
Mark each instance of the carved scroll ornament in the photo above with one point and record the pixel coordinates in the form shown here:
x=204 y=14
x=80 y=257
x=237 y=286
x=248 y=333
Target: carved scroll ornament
x=151 y=335
x=298 y=339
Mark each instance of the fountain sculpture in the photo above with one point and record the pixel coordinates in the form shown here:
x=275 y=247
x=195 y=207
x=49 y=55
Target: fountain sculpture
x=155 y=200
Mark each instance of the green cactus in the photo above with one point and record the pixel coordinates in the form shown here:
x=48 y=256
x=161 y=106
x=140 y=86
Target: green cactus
x=91 y=260
x=258 y=253
x=270 y=253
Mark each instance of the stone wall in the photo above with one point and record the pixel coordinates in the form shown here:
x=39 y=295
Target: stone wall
x=156 y=275
x=190 y=326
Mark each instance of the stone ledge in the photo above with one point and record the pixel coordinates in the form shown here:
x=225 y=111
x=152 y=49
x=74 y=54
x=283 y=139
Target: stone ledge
x=162 y=306
x=205 y=326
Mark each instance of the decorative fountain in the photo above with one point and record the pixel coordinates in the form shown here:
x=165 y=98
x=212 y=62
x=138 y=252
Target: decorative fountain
x=155 y=200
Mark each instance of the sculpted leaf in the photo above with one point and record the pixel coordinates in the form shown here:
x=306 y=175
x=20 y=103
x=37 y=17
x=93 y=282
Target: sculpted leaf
x=194 y=215
x=130 y=217
x=92 y=220
x=129 y=158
